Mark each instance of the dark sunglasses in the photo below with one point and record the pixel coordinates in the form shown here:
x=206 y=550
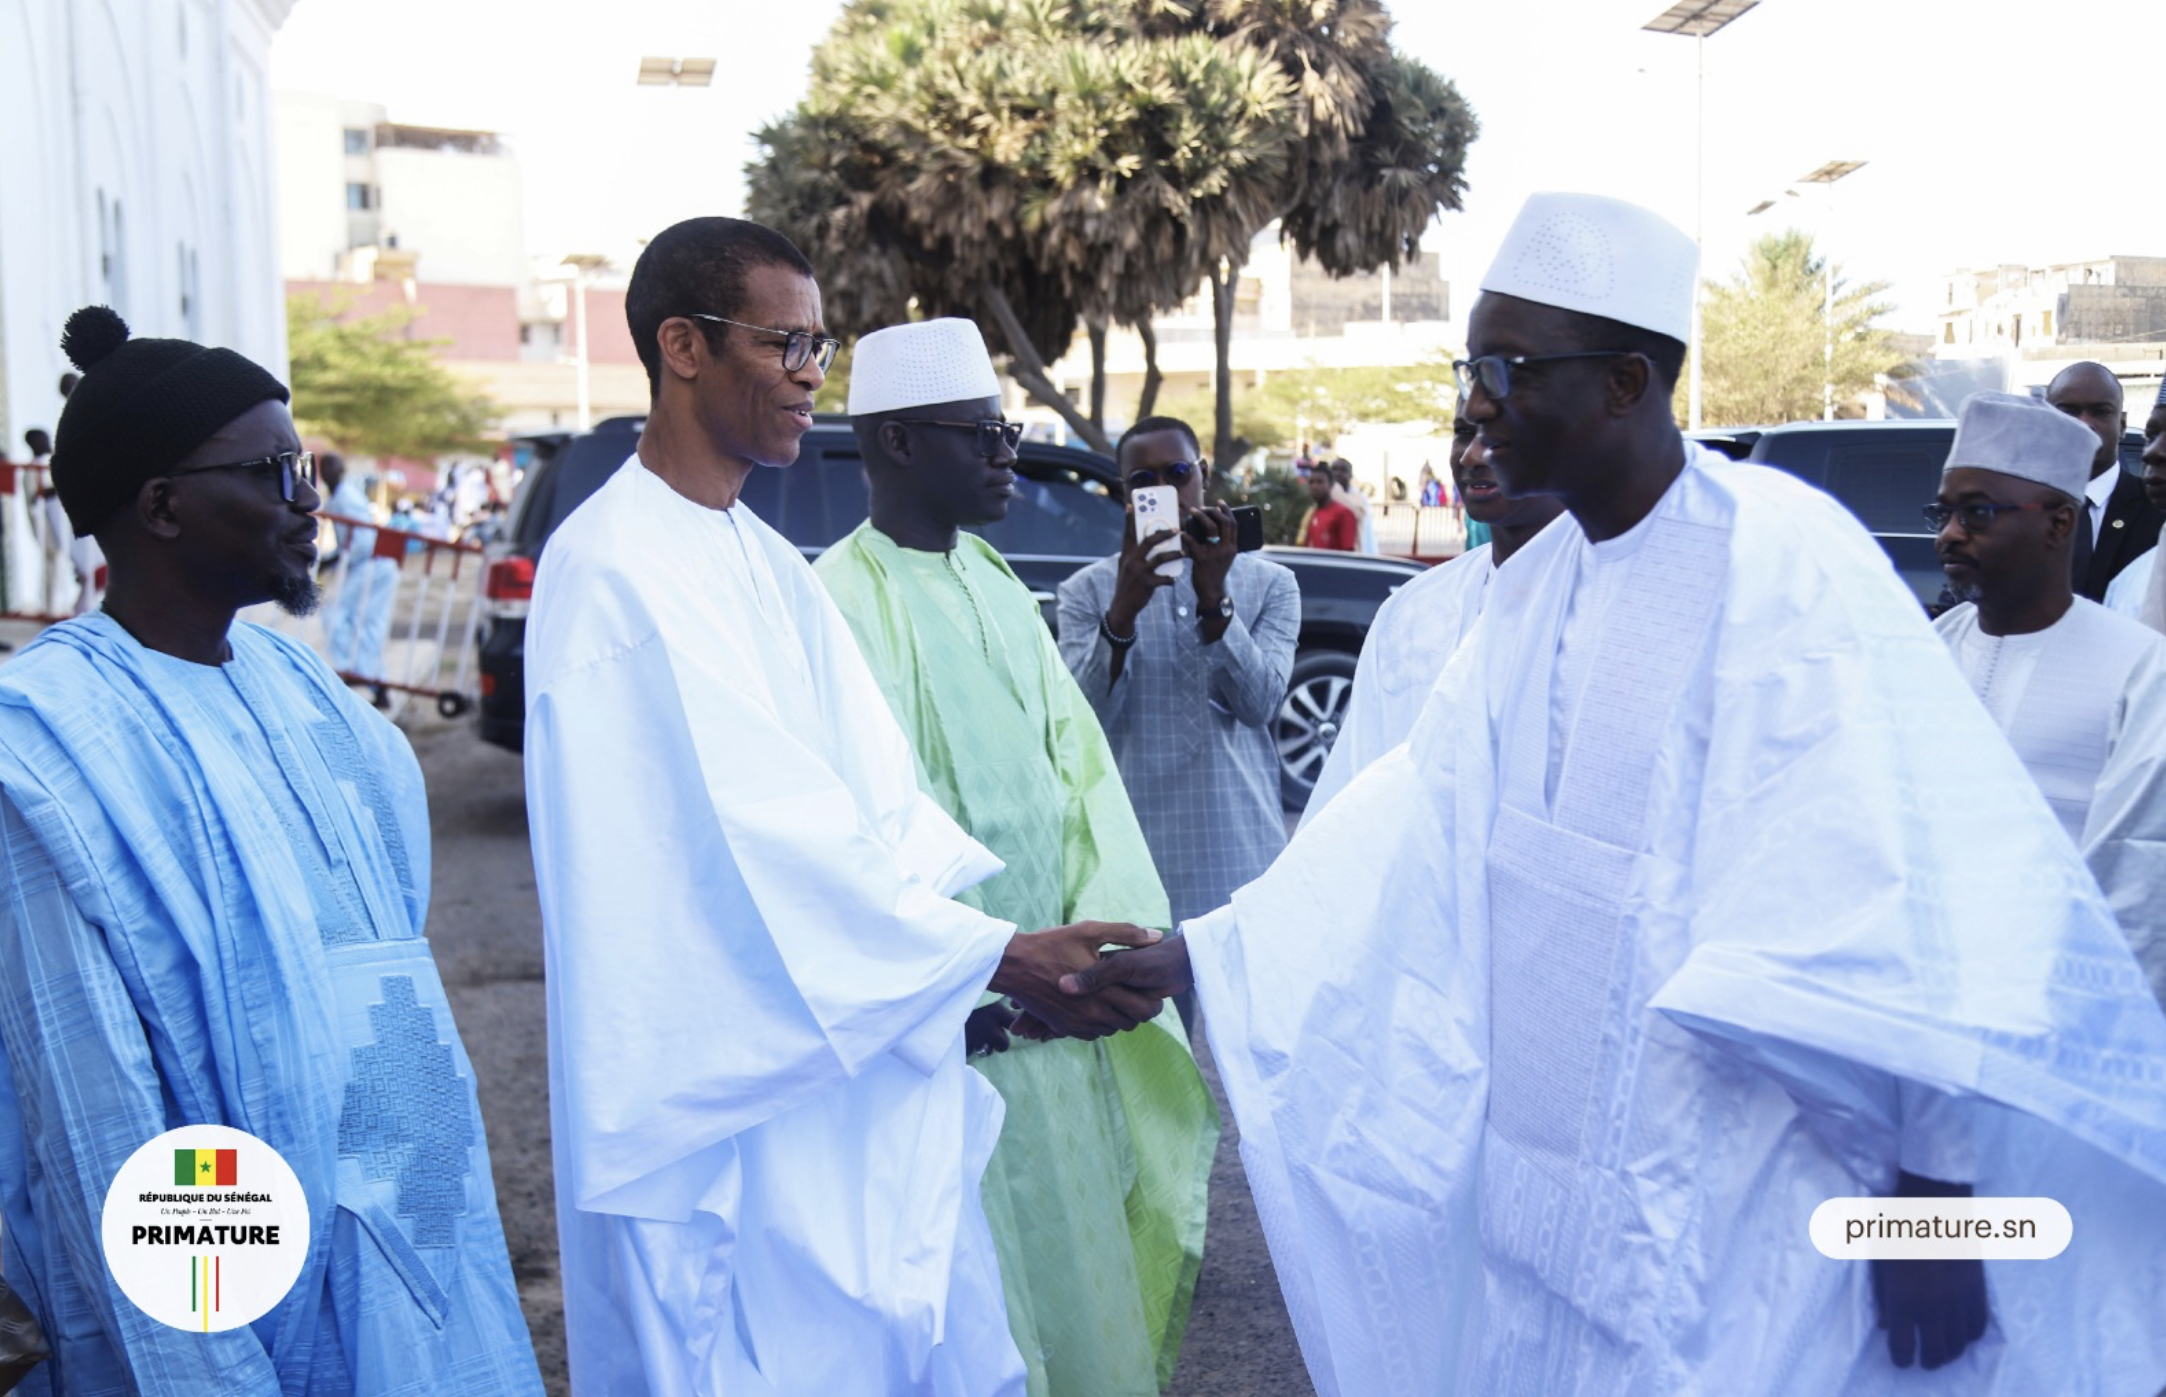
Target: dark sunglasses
x=1176 y=472
x=799 y=347
x=992 y=432
x=1493 y=372
x=1977 y=515
x=293 y=468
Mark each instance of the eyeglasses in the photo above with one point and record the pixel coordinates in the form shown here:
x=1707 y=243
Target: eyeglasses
x=1494 y=371
x=1977 y=515
x=293 y=468
x=799 y=347
x=1177 y=472
x=992 y=432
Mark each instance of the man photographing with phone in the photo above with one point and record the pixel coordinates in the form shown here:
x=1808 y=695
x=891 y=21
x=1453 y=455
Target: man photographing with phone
x=1186 y=685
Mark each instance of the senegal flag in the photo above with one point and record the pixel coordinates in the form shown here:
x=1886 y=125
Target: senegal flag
x=201 y=1167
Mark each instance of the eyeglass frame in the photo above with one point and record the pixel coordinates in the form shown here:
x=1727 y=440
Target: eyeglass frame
x=291 y=466
x=1468 y=373
x=1144 y=477
x=1009 y=432
x=1994 y=509
x=824 y=347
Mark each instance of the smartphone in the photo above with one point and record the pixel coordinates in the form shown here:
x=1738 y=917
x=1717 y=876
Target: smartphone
x=1247 y=528
x=1158 y=508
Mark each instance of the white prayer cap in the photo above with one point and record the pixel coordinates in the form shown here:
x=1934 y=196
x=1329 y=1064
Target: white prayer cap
x=2022 y=437
x=1600 y=257
x=931 y=361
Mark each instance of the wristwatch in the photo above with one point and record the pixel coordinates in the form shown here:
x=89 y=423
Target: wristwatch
x=1224 y=611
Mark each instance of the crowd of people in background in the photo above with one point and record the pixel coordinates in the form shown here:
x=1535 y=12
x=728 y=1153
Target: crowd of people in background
x=1350 y=523
x=46 y=569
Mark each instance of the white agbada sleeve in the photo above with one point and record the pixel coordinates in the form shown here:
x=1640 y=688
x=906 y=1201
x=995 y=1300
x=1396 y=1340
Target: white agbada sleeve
x=743 y=886
x=1416 y=630
x=2153 y=610
x=2125 y=594
x=2124 y=837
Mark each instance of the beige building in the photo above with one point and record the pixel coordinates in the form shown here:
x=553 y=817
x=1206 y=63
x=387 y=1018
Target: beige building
x=2038 y=320
x=1288 y=315
x=379 y=213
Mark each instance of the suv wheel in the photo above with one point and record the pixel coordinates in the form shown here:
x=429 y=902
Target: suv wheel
x=1309 y=719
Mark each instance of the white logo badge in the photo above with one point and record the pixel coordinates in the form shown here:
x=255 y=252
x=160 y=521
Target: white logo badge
x=206 y=1228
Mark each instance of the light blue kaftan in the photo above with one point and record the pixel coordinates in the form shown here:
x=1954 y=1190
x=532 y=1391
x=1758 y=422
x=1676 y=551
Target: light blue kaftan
x=212 y=887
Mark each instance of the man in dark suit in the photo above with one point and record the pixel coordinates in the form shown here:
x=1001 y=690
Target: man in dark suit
x=2123 y=523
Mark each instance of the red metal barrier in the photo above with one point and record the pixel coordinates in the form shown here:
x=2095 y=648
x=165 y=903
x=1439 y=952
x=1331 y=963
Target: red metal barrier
x=434 y=604
x=1425 y=533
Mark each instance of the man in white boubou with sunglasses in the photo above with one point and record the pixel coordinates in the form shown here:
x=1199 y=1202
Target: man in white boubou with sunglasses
x=1701 y=894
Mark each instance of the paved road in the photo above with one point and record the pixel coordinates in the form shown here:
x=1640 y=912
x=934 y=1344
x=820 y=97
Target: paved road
x=485 y=926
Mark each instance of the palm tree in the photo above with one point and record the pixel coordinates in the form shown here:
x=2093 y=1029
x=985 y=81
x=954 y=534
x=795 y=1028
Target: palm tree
x=1152 y=174
x=1040 y=164
x=1380 y=144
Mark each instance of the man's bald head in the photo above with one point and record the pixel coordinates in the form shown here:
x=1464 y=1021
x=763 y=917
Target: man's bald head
x=2088 y=392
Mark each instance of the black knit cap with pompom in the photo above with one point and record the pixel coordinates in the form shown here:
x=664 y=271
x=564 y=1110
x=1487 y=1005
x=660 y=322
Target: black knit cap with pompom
x=141 y=407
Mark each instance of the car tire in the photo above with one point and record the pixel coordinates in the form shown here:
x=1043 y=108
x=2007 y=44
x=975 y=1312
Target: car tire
x=1309 y=719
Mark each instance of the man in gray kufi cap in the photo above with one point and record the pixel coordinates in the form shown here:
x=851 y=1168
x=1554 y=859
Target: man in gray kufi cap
x=2080 y=691
x=1702 y=892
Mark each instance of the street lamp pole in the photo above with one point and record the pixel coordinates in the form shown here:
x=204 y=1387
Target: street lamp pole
x=654 y=71
x=1827 y=343
x=1698 y=18
x=676 y=72
x=586 y=390
x=1825 y=177
x=584 y=265
x=1699 y=217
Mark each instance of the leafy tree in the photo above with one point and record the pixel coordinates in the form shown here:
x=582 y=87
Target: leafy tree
x=1380 y=149
x=359 y=383
x=1764 y=332
x=980 y=158
x=1044 y=164
x=1280 y=495
x=1256 y=421
x=1321 y=403
x=833 y=394
x=1317 y=404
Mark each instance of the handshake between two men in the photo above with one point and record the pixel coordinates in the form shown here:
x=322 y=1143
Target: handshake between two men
x=1069 y=985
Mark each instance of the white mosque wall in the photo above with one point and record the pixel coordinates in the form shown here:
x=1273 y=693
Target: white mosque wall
x=135 y=170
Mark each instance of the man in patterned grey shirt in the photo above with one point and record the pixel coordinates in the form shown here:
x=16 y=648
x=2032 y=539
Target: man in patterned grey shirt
x=1186 y=686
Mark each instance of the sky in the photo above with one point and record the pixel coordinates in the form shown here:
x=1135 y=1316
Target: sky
x=1992 y=131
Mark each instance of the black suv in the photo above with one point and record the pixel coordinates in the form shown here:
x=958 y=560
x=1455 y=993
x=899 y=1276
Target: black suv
x=1883 y=472
x=1066 y=513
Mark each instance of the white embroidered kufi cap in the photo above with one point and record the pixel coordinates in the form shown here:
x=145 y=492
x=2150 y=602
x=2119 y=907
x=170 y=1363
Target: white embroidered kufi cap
x=931 y=361
x=1600 y=257
x=2022 y=437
